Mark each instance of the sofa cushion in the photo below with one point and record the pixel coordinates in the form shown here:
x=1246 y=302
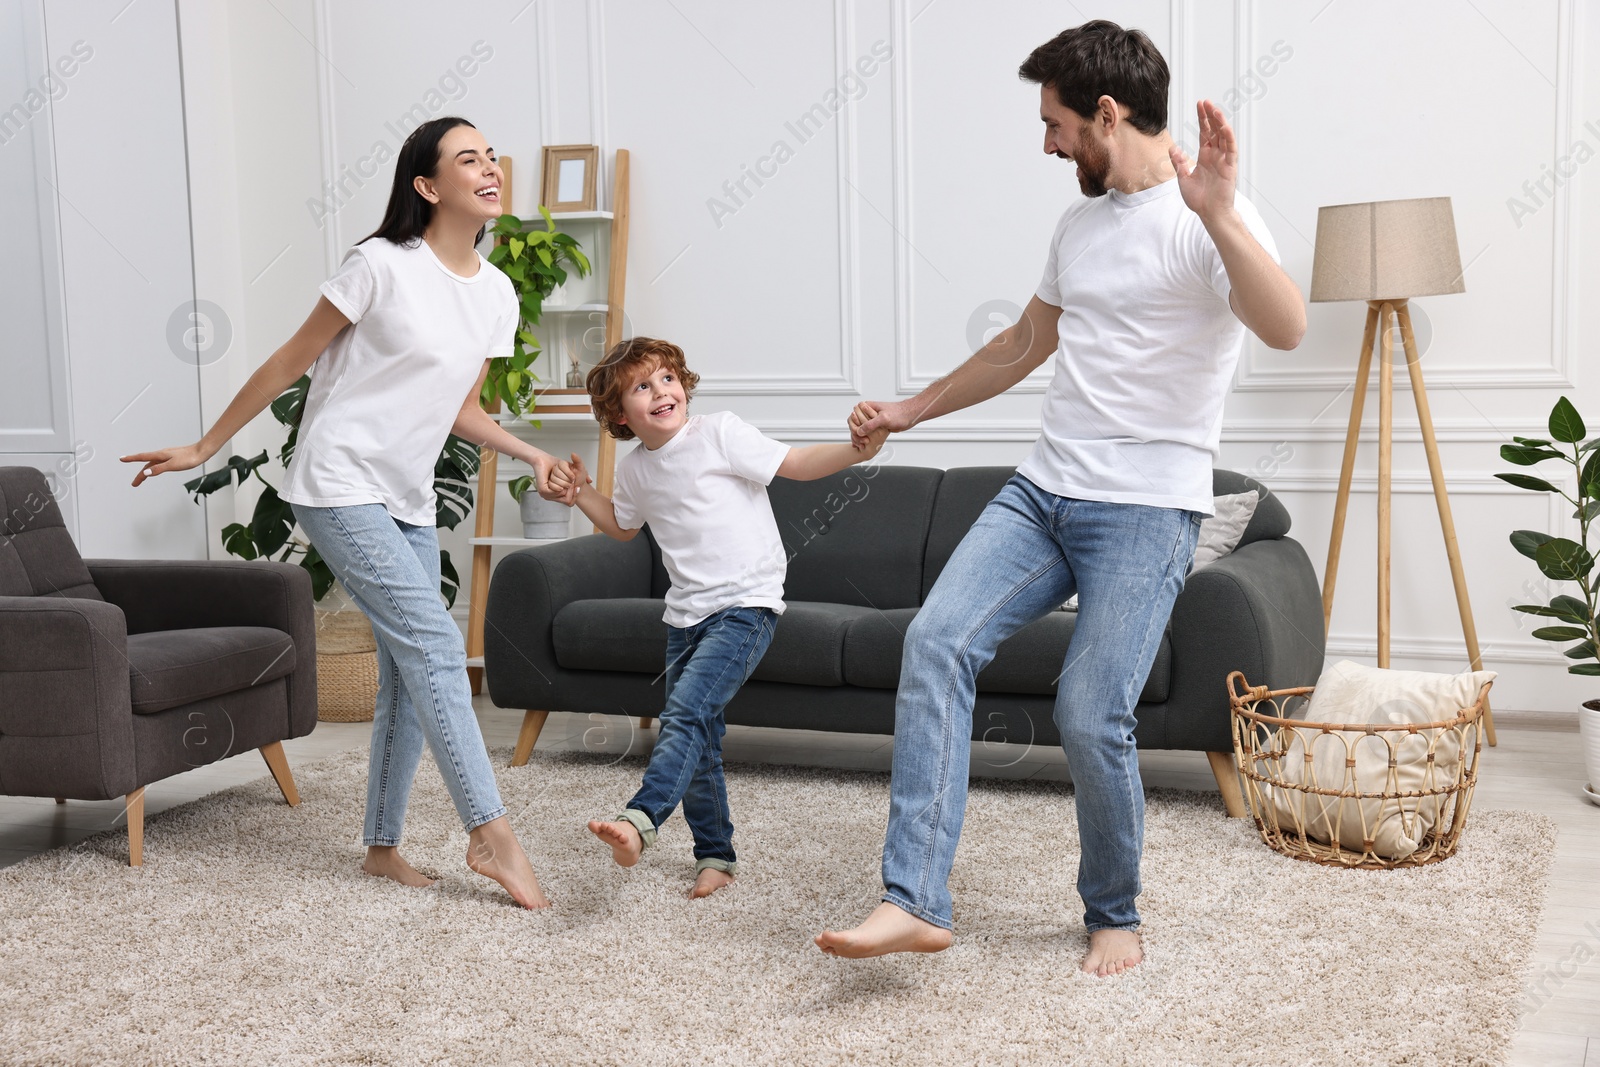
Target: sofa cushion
x=1271 y=518
x=628 y=635
x=619 y=634
x=963 y=494
x=167 y=668
x=857 y=537
x=808 y=644
x=1029 y=661
x=37 y=556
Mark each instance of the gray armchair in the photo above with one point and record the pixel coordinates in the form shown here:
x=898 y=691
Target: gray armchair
x=118 y=673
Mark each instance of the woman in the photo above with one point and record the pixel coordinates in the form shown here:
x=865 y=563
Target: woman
x=401 y=337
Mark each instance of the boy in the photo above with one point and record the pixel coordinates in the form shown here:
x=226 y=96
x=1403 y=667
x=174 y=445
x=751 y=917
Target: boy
x=700 y=483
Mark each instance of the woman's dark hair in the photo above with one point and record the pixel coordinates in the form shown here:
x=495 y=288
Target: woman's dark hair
x=1099 y=59
x=408 y=214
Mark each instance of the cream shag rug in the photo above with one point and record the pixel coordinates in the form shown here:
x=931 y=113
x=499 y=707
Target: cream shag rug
x=251 y=936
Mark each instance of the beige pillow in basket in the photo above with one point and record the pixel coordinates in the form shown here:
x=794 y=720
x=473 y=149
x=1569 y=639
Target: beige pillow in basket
x=1351 y=693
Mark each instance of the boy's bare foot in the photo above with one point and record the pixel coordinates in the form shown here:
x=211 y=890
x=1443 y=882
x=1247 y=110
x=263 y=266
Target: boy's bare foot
x=888 y=929
x=494 y=852
x=709 y=881
x=1112 y=952
x=622 y=836
x=385 y=861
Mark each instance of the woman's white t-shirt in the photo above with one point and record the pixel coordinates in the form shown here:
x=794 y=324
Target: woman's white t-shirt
x=1133 y=413
x=704 y=495
x=386 y=392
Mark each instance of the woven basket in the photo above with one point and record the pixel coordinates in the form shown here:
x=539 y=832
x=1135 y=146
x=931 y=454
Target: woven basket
x=1264 y=736
x=347 y=667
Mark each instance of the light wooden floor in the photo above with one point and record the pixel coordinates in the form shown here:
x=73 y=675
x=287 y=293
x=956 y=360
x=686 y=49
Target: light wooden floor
x=1537 y=767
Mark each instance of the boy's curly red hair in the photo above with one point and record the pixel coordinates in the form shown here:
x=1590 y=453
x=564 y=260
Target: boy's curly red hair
x=614 y=374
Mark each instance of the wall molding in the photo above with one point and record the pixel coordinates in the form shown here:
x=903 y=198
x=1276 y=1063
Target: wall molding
x=1446 y=649
x=1557 y=374
x=907 y=378
x=847 y=380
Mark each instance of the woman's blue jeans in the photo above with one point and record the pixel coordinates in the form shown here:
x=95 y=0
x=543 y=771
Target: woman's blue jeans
x=1028 y=552
x=706 y=665
x=391 y=569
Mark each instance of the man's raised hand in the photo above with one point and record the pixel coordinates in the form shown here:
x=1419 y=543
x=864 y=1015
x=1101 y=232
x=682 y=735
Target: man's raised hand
x=1209 y=182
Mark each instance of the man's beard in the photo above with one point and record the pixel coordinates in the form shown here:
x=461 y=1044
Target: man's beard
x=1094 y=165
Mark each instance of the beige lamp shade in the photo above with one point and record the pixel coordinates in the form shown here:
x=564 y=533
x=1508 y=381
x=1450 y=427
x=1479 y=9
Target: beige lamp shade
x=1386 y=250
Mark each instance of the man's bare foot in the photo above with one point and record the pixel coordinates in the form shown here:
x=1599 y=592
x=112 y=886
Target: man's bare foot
x=1112 y=952
x=622 y=836
x=888 y=929
x=494 y=852
x=385 y=861
x=709 y=881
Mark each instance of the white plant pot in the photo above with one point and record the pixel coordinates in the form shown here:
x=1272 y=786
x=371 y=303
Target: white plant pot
x=1589 y=730
x=544 y=519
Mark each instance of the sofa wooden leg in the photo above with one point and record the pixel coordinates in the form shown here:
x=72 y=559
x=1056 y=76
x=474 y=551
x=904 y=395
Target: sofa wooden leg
x=1228 y=782
x=134 y=807
x=278 y=764
x=61 y=800
x=645 y=721
x=532 y=723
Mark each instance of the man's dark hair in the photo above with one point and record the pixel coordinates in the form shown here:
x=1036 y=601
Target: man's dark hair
x=1099 y=59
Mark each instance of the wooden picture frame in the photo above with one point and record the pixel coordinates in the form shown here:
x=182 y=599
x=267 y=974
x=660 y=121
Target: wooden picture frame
x=568 y=177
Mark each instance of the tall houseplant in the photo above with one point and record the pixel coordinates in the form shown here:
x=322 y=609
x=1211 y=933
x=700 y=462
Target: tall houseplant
x=537 y=262
x=1561 y=559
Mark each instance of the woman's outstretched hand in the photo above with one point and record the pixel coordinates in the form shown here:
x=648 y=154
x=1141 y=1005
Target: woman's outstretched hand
x=163 y=460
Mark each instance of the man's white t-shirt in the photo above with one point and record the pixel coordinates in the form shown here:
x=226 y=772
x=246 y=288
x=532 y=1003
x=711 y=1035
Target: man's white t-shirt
x=1133 y=414
x=704 y=495
x=387 y=390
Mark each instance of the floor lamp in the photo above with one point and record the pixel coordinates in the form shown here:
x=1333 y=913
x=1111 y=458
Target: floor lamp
x=1386 y=253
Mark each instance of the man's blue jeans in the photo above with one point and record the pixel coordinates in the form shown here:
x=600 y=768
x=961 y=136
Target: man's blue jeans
x=706 y=665
x=391 y=569
x=1028 y=552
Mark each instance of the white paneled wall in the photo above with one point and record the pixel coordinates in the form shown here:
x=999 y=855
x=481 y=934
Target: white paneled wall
x=836 y=198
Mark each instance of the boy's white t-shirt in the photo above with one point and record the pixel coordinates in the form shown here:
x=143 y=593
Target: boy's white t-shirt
x=704 y=495
x=387 y=390
x=1148 y=345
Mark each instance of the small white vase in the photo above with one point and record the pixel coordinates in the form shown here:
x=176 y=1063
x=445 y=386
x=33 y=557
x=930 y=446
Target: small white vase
x=544 y=519
x=1589 y=730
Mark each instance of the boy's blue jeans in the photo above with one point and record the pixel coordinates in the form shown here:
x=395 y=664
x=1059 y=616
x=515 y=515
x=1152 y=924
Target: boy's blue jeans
x=391 y=569
x=706 y=665
x=1028 y=552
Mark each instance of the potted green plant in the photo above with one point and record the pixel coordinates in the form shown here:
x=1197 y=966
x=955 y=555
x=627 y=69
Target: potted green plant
x=1563 y=560
x=541 y=518
x=537 y=263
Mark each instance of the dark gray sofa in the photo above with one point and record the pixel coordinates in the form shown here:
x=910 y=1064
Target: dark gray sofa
x=118 y=673
x=576 y=626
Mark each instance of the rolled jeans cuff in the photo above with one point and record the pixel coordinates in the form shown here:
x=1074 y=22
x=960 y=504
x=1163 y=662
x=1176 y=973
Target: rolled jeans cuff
x=641 y=822
x=711 y=863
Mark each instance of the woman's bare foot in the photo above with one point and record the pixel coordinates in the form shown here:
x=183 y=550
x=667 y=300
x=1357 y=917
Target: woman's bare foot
x=888 y=929
x=494 y=852
x=709 y=881
x=385 y=861
x=1112 y=952
x=622 y=836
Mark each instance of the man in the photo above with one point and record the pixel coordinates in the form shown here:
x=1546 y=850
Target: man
x=1148 y=287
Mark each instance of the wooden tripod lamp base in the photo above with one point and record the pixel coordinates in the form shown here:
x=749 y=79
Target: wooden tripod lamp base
x=1381 y=318
x=1386 y=253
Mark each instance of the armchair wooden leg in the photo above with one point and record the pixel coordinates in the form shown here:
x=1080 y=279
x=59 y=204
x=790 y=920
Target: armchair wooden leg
x=134 y=807
x=1228 y=782
x=532 y=723
x=278 y=764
